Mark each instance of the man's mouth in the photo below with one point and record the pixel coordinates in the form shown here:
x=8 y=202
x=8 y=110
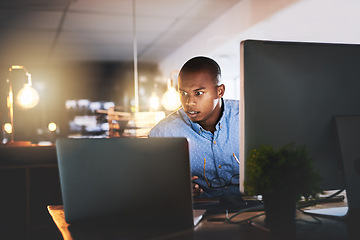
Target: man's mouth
x=192 y=113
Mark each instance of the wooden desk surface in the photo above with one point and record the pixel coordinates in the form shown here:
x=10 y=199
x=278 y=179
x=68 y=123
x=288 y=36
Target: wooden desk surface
x=211 y=228
x=57 y=213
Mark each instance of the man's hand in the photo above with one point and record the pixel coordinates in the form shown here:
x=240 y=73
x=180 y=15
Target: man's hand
x=196 y=188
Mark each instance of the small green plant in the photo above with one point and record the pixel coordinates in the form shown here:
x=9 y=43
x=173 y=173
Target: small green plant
x=288 y=171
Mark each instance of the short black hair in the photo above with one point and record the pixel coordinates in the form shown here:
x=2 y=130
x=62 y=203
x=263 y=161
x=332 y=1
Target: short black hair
x=201 y=63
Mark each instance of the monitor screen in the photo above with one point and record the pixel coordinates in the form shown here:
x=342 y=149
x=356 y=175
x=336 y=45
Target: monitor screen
x=291 y=91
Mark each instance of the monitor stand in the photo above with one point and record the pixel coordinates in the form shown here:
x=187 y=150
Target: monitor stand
x=348 y=128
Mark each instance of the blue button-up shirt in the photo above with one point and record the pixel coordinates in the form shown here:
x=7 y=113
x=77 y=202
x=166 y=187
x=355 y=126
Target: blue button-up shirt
x=211 y=155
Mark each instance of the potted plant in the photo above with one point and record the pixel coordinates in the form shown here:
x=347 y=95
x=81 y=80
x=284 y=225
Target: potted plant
x=282 y=177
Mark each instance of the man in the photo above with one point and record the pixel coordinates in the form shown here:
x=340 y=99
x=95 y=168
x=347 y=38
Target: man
x=211 y=125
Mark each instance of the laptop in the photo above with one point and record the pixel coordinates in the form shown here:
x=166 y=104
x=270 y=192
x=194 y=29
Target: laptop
x=127 y=182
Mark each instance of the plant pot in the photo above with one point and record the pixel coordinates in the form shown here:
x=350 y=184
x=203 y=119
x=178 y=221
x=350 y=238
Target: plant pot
x=280 y=213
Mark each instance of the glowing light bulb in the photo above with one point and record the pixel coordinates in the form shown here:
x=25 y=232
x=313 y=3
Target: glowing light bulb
x=171 y=99
x=8 y=128
x=52 y=127
x=27 y=97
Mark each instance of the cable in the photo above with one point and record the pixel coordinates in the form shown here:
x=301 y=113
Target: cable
x=330 y=198
x=229 y=219
x=250 y=221
x=250 y=209
x=317 y=220
x=336 y=193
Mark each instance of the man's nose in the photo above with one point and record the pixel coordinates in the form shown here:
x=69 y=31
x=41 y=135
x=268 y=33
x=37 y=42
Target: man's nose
x=190 y=101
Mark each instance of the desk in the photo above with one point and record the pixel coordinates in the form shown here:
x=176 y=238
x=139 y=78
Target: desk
x=208 y=229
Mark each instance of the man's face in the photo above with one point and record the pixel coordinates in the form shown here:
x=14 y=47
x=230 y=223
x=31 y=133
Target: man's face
x=200 y=97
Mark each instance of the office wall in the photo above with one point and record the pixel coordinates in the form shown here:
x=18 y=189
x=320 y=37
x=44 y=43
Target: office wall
x=296 y=20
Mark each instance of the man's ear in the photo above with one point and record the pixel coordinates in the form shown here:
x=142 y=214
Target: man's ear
x=221 y=90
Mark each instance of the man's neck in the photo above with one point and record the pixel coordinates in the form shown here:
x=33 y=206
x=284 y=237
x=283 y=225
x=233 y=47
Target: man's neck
x=211 y=126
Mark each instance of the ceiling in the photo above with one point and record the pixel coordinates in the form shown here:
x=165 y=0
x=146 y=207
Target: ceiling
x=43 y=31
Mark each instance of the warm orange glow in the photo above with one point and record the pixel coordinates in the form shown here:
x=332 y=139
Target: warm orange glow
x=8 y=128
x=16 y=67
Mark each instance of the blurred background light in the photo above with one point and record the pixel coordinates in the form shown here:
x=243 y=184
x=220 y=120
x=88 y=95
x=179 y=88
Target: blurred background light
x=83 y=103
x=105 y=126
x=95 y=106
x=70 y=104
x=8 y=128
x=52 y=127
x=154 y=101
x=108 y=105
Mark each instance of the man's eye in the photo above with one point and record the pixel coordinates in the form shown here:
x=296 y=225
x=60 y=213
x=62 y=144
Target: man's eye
x=199 y=93
x=183 y=93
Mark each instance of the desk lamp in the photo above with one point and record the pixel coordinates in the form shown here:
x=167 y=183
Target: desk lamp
x=26 y=98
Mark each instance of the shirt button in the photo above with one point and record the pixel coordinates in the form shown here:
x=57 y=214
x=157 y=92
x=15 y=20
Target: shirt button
x=219 y=166
x=214 y=142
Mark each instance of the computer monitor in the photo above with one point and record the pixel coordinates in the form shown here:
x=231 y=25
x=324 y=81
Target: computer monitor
x=290 y=92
